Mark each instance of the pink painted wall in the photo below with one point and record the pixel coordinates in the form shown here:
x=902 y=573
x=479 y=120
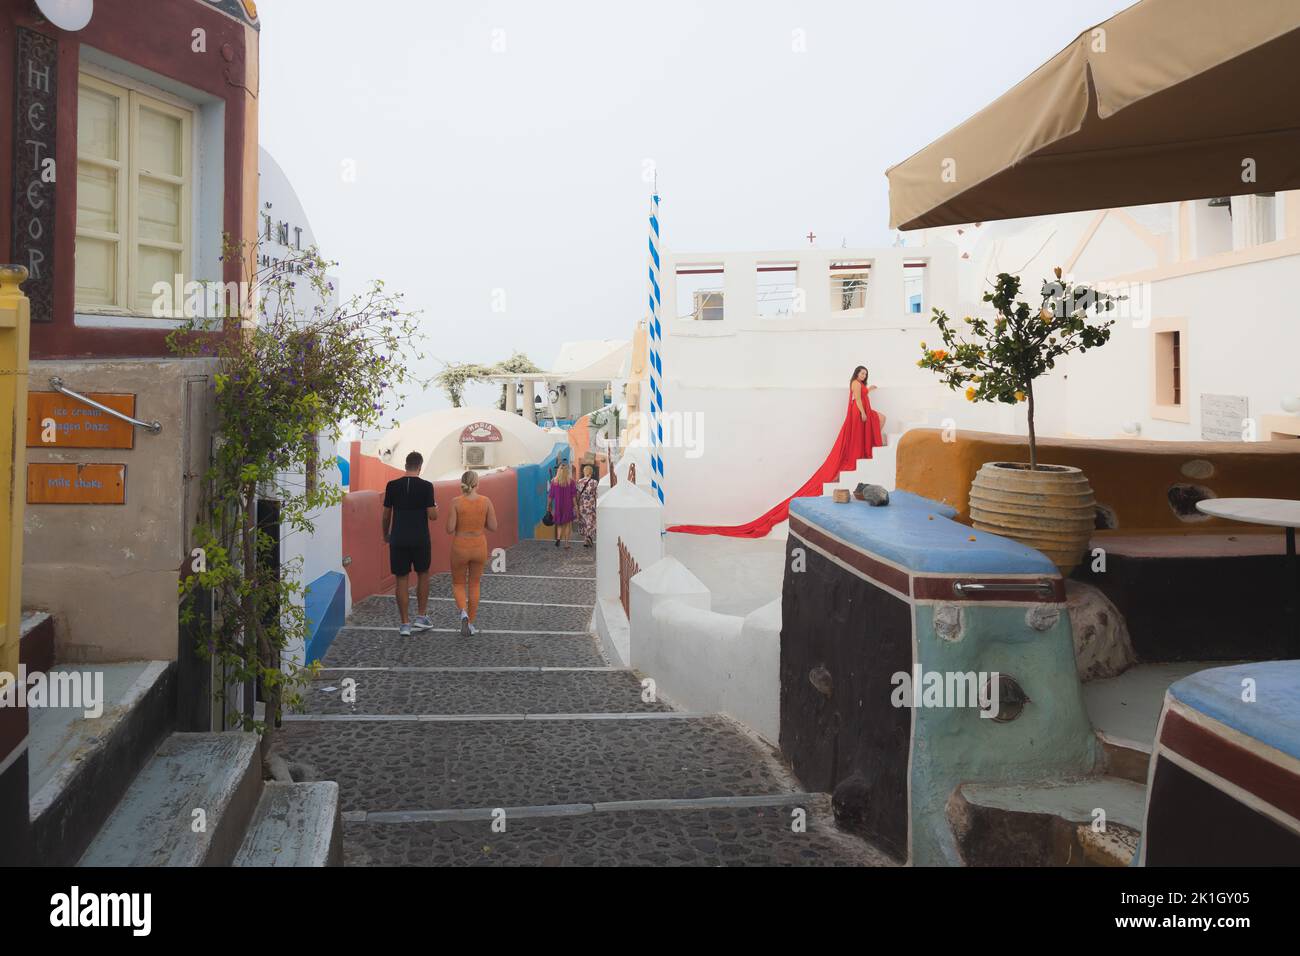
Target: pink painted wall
x=363 y=512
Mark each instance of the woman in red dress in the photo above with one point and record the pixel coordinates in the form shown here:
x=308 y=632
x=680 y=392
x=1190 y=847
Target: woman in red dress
x=863 y=427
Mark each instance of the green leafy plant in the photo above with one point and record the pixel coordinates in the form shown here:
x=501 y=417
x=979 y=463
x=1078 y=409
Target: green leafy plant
x=517 y=364
x=997 y=360
x=285 y=381
x=456 y=375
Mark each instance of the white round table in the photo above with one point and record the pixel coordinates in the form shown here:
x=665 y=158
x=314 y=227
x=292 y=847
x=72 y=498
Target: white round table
x=1277 y=512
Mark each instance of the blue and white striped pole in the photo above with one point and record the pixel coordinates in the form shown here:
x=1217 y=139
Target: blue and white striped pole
x=656 y=362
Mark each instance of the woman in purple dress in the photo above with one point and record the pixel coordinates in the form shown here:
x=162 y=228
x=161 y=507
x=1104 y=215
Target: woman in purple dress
x=588 y=487
x=562 y=497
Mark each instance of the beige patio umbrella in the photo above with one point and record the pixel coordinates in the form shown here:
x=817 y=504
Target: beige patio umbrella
x=1168 y=100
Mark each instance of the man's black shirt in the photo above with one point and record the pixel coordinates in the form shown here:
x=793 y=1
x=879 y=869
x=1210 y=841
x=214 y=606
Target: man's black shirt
x=410 y=498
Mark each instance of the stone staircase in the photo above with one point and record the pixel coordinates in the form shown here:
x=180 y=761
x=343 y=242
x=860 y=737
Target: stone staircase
x=523 y=746
x=120 y=788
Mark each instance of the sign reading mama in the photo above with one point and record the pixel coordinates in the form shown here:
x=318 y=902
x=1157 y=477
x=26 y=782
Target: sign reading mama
x=479 y=432
x=35 y=100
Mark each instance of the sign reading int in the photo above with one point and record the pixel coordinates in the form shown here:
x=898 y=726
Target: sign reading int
x=50 y=483
x=35 y=99
x=56 y=421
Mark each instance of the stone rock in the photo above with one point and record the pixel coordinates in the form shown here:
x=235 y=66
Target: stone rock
x=873 y=495
x=849 y=803
x=948 y=621
x=820 y=678
x=1042 y=617
x=1102 y=647
x=1198 y=469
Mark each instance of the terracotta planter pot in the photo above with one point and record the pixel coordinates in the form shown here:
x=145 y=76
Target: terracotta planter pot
x=1051 y=509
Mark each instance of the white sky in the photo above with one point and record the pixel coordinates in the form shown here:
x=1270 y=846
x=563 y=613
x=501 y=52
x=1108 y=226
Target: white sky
x=522 y=170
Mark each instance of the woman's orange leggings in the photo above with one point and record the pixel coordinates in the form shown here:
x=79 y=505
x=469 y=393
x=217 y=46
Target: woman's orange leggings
x=469 y=554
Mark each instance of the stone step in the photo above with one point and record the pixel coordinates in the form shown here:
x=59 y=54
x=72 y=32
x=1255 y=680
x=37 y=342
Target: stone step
x=381 y=611
x=36 y=641
x=1049 y=824
x=154 y=824
x=370 y=647
x=1125 y=711
x=649 y=834
x=295 y=824
x=395 y=692
x=520 y=588
x=80 y=766
x=413 y=765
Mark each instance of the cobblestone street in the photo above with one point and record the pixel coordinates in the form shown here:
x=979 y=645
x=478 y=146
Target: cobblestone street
x=528 y=717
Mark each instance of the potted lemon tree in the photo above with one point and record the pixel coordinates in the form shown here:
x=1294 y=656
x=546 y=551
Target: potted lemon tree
x=1048 y=507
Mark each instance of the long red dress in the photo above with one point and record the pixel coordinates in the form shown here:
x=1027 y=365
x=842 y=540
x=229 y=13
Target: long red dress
x=855 y=440
x=860 y=436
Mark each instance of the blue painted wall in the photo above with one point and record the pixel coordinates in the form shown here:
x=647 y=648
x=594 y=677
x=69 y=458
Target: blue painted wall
x=324 y=602
x=532 y=482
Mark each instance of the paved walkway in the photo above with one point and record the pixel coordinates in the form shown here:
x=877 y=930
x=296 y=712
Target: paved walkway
x=528 y=726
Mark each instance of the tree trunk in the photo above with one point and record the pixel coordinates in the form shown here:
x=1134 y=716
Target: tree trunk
x=1033 y=441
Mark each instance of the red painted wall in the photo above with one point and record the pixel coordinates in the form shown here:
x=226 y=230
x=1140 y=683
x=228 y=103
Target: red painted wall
x=154 y=34
x=363 y=512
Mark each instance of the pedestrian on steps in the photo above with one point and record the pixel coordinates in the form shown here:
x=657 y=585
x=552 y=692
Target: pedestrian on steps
x=472 y=515
x=588 y=487
x=562 y=496
x=409 y=509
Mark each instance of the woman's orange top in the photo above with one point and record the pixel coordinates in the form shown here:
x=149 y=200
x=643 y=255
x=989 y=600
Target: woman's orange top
x=471 y=514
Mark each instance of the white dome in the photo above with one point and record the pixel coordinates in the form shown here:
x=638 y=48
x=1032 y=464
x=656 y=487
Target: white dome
x=436 y=436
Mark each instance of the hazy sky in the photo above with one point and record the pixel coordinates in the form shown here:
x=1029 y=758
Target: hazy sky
x=504 y=145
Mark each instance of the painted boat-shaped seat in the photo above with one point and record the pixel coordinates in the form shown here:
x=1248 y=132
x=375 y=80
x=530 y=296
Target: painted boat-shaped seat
x=1224 y=787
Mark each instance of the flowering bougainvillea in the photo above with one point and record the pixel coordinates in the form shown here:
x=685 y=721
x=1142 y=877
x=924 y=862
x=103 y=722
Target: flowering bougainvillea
x=998 y=359
x=285 y=381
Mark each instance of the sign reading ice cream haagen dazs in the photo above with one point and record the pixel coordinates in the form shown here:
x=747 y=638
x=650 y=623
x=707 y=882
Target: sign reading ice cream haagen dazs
x=35 y=99
x=55 y=420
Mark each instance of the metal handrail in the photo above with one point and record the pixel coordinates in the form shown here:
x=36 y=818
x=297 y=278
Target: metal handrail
x=152 y=428
x=962 y=588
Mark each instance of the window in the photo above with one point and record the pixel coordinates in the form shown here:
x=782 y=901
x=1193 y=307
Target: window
x=776 y=290
x=134 y=180
x=849 y=285
x=1169 y=388
x=914 y=286
x=701 y=287
x=1169 y=368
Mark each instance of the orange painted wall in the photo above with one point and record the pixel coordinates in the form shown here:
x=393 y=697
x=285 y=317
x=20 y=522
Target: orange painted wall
x=363 y=511
x=1131 y=477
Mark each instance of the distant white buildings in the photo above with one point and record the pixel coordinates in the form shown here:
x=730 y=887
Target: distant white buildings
x=585 y=376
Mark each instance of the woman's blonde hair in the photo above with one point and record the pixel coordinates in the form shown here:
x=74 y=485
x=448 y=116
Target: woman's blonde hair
x=562 y=474
x=468 y=482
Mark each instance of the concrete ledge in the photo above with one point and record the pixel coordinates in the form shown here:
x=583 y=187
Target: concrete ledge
x=154 y=825
x=81 y=767
x=295 y=824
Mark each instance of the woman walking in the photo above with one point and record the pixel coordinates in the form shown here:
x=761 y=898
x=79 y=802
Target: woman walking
x=472 y=515
x=588 y=486
x=562 y=496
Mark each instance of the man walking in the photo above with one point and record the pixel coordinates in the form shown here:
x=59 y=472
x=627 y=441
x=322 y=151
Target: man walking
x=409 y=510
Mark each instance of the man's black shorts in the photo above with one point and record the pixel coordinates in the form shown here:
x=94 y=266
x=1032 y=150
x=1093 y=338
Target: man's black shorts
x=402 y=558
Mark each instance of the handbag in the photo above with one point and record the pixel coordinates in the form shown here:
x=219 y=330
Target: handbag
x=548 y=519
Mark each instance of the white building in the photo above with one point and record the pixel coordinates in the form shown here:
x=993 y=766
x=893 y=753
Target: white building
x=318 y=558
x=585 y=376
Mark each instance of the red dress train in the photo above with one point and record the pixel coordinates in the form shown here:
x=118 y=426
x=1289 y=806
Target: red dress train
x=855 y=441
